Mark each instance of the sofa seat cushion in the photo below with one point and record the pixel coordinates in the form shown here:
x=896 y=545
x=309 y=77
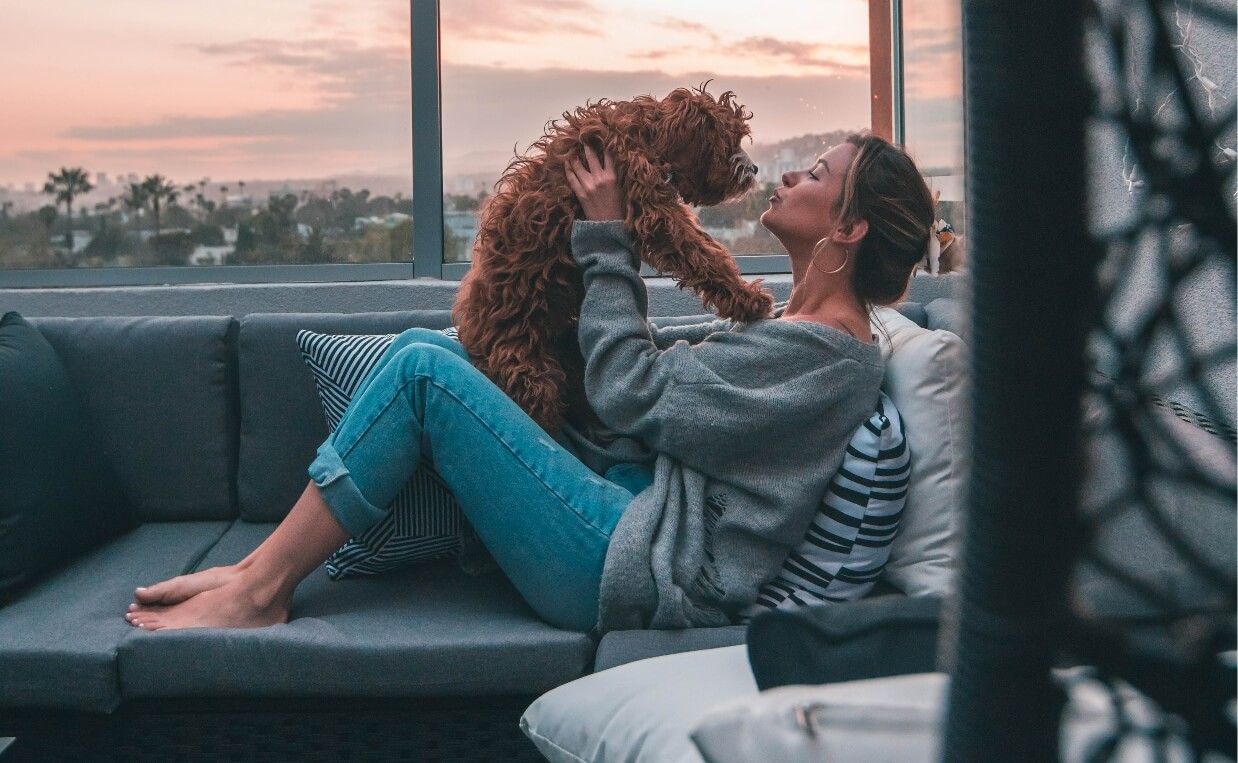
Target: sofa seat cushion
x=426 y=630
x=621 y=647
x=60 y=638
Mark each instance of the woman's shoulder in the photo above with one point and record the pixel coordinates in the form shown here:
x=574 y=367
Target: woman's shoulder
x=797 y=335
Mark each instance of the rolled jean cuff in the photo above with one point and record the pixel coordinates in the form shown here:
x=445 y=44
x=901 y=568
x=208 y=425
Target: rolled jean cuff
x=354 y=513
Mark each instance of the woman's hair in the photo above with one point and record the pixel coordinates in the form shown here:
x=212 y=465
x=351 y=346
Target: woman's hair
x=884 y=188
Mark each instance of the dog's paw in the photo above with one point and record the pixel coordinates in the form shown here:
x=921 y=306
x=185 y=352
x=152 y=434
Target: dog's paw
x=749 y=304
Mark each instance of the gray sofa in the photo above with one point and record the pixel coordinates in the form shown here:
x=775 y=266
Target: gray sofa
x=210 y=423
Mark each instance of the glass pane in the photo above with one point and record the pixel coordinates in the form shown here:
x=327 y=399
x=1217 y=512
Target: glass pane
x=800 y=66
x=230 y=132
x=933 y=104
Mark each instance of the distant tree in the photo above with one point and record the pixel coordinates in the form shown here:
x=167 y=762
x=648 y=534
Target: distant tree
x=135 y=199
x=349 y=206
x=317 y=248
x=159 y=190
x=463 y=202
x=47 y=215
x=5 y=208
x=66 y=185
x=25 y=242
x=177 y=216
x=208 y=235
x=382 y=206
x=270 y=236
x=453 y=246
x=402 y=241
x=172 y=248
x=246 y=242
x=106 y=244
x=208 y=207
x=316 y=212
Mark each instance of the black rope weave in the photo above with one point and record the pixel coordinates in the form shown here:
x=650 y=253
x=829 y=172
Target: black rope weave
x=1155 y=610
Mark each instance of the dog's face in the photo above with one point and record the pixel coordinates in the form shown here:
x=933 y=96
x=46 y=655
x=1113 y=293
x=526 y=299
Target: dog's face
x=700 y=139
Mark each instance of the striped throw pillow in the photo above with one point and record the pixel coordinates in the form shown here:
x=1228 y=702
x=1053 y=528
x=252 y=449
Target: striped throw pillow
x=424 y=522
x=848 y=542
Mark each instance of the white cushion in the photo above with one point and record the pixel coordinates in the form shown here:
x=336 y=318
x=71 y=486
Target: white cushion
x=926 y=378
x=883 y=720
x=637 y=712
x=900 y=720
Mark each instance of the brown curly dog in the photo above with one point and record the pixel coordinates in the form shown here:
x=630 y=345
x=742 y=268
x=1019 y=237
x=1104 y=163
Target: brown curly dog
x=518 y=307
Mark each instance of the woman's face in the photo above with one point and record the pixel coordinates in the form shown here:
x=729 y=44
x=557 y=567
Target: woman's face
x=802 y=210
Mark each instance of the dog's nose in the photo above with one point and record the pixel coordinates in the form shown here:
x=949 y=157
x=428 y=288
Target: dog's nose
x=754 y=169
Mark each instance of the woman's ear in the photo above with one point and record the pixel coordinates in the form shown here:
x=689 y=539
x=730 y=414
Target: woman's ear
x=850 y=233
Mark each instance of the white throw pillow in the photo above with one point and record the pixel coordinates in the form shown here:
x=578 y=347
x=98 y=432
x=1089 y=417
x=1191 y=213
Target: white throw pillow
x=640 y=712
x=881 y=720
x=900 y=720
x=926 y=378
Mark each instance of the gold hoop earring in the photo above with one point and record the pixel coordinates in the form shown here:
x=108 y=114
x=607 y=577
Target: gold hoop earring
x=816 y=254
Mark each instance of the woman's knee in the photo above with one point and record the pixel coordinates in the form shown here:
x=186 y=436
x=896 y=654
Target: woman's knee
x=415 y=336
x=433 y=360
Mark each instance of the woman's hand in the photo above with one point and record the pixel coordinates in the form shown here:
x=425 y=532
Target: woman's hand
x=596 y=186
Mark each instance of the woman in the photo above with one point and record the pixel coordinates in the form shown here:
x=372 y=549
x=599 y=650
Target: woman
x=723 y=438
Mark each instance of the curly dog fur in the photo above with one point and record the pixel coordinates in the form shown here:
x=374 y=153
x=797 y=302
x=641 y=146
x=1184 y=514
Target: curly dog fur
x=518 y=308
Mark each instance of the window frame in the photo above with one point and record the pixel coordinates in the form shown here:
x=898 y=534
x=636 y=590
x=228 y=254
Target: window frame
x=427 y=177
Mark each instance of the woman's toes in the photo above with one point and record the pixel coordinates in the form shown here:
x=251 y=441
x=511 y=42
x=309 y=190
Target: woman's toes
x=152 y=594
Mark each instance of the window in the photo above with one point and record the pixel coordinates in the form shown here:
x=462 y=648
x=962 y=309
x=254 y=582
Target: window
x=248 y=140
x=155 y=135
x=507 y=69
x=932 y=99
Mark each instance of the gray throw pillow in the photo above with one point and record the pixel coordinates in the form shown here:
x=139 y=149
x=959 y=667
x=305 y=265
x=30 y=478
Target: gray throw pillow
x=58 y=493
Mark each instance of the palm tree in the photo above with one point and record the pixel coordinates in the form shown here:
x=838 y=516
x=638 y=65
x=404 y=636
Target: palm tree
x=65 y=185
x=223 y=196
x=159 y=189
x=135 y=199
x=189 y=190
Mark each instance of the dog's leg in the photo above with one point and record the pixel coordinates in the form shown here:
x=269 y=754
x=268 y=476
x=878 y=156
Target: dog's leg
x=680 y=248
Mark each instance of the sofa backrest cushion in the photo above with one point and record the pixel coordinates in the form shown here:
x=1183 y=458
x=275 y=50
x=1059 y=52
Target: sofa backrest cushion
x=926 y=378
x=282 y=422
x=161 y=392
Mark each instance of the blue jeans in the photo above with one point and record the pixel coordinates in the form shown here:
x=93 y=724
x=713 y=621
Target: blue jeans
x=544 y=516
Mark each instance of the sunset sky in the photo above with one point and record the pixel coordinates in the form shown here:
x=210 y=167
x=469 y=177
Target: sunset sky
x=250 y=89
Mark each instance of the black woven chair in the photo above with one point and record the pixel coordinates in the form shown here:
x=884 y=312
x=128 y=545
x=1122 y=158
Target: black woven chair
x=1042 y=585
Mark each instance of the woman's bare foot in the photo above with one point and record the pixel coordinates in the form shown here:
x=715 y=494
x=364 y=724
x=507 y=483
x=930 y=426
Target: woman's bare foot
x=177 y=589
x=232 y=604
x=254 y=592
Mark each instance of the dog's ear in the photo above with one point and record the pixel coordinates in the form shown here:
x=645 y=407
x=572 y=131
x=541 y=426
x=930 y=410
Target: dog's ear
x=680 y=122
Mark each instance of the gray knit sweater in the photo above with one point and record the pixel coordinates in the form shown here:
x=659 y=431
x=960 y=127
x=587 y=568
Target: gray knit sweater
x=748 y=425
